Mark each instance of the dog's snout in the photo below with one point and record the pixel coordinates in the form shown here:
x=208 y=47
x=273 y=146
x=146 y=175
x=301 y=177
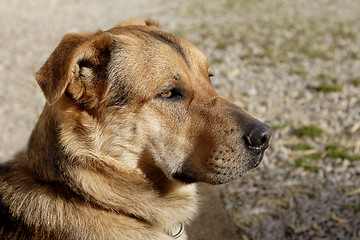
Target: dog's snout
x=258 y=136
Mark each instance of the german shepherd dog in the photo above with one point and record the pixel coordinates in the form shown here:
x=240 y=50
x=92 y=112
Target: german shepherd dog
x=131 y=122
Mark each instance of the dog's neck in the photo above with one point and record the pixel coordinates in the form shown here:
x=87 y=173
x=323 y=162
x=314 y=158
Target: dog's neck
x=132 y=193
x=44 y=149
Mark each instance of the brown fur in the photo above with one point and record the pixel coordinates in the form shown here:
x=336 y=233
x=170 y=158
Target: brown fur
x=111 y=156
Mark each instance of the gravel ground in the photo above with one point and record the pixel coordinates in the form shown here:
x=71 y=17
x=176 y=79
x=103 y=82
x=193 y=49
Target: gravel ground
x=293 y=64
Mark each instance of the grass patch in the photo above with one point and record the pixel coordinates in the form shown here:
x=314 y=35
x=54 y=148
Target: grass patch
x=323 y=55
x=304 y=146
x=222 y=45
x=352 y=158
x=298 y=72
x=333 y=146
x=299 y=162
x=325 y=87
x=341 y=31
x=314 y=156
x=356 y=81
x=310 y=159
x=310 y=168
x=324 y=76
x=329 y=84
x=218 y=60
x=336 y=150
x=306 y=163
x=279 y=126
x=311 y=131
x=353 y=55
x=357 y=206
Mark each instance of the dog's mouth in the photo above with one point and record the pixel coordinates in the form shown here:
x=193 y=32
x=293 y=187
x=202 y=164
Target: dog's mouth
x=256 y=160
x=219 y=170
x=238 y=167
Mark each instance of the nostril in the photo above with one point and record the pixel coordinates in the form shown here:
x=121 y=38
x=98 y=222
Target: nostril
x=247 y=141
x=265 y=138
x=258 y=137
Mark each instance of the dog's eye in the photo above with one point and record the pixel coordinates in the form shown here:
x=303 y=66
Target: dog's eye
x=166 y=94
x=171 y=94
x=210 y=72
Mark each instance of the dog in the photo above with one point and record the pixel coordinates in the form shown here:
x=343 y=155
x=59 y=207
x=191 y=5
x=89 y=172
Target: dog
x=131 y=122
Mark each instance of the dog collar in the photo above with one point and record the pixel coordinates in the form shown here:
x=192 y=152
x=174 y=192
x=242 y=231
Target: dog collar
x=181 y=231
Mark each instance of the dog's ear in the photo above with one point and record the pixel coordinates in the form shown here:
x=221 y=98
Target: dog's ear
x=73 y=64
x=138 y=22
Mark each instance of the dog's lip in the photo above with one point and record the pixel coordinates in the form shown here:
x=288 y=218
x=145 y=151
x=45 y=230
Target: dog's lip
x=258 y=149
x=255 y=162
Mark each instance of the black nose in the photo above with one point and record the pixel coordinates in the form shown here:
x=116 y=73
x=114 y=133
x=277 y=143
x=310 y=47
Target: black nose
x=258 y=136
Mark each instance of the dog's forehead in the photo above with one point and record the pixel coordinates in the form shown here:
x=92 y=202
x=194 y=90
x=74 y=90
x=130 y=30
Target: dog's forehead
x=148 y=53
x=154 y=44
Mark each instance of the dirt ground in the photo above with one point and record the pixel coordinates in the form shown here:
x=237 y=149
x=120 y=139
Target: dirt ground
x=29 y=31
x=292 y=64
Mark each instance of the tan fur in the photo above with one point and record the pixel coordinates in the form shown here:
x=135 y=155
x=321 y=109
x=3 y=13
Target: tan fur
x=110 y=157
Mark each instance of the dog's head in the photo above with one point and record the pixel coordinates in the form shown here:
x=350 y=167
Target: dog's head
x=138 y=96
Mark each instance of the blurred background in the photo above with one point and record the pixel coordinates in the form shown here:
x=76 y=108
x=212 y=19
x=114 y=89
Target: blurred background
x=292 y=64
